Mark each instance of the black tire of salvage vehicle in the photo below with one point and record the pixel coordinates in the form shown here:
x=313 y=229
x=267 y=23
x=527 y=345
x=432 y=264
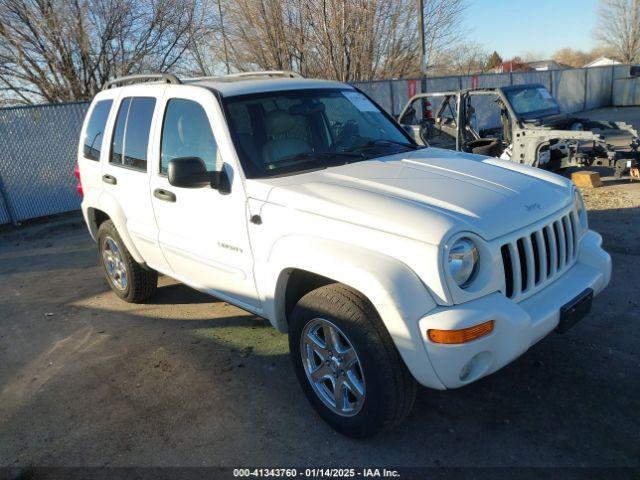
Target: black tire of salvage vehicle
x=390 y=387
x=142 y=282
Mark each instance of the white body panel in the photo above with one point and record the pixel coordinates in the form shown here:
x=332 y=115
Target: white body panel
x=381 y=226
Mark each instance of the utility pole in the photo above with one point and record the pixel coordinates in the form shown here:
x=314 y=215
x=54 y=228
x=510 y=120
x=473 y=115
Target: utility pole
x=423 y=53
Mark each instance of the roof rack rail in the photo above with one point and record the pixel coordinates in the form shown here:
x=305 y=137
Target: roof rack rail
x=266 y=73
x=141 y=78
x=247 y=75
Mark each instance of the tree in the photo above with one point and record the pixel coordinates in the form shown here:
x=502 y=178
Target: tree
x=464 y=58
x=494 y=61
x=54 y=50
x=618 y=28
x=577 y=58
x=62 y=50
x=443 y=27
x=573 y=58
x=346 y=40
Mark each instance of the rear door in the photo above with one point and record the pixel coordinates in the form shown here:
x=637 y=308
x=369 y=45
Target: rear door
x=125 y=172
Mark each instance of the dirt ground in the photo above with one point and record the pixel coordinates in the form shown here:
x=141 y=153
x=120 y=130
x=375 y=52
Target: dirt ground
x=184 y=379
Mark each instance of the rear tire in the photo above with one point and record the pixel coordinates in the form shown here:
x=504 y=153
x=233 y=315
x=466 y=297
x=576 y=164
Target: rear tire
x=379 y=393
x=127 y=278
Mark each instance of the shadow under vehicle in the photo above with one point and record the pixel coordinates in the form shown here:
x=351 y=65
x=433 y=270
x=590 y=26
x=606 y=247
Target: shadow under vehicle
x=522 y=123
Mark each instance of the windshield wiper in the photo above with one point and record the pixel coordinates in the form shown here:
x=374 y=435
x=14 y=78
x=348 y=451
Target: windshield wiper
x=332 y=157
x=382 y=142
x=319 y=156
x=329 y=155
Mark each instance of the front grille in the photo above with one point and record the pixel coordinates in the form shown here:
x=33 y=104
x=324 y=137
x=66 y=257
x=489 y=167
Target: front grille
x=534 y=259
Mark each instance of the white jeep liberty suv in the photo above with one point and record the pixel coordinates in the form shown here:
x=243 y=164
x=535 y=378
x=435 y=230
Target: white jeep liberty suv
x=303 y=202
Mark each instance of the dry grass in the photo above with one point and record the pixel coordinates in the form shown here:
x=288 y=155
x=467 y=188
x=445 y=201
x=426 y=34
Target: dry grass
x=606 y=198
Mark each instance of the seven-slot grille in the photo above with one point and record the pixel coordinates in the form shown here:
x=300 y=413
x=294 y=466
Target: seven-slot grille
x=534 y=259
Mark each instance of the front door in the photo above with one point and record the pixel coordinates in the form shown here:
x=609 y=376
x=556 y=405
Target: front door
x=202 y=231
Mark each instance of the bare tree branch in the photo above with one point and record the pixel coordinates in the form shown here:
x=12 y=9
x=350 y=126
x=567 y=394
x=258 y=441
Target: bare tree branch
x=618 y=29
x=346 y=40
x=56 y=50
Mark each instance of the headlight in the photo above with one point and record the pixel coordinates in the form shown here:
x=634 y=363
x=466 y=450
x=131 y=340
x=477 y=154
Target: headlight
x=580 y=209
x=463 y=262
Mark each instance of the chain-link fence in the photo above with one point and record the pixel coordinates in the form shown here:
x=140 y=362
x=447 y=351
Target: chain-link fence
x=575 y=89
x=38 y=148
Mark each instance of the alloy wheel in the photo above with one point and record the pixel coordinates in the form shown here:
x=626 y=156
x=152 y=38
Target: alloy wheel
x=332 y=367
x=114 y=263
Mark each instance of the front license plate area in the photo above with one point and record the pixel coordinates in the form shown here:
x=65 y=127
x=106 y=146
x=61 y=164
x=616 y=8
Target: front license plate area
x=575 y=310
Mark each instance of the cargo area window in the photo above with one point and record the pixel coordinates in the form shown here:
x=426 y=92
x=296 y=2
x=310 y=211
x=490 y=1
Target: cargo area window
x=95 y=130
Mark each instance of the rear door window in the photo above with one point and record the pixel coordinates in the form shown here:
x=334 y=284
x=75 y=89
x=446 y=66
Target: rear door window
x=95 y=130
x=131 y=133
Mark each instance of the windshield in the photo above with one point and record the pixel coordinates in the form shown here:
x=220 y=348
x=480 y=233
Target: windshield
x=283 y=133
x=532 y=101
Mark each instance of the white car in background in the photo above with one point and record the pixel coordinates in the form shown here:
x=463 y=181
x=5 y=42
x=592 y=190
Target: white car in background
x=387 y=263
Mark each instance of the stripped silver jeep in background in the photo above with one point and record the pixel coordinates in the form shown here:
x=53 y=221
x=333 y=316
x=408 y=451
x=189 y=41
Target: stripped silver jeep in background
x=522 y=123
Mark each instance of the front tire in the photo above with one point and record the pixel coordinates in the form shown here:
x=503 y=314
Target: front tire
x=347 y=364
x=126 y=277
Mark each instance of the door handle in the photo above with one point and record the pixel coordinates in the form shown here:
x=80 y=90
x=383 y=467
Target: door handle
x=110 y=179
x=164 y=195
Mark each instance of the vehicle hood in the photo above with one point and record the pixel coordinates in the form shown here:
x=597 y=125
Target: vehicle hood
x=425 y=194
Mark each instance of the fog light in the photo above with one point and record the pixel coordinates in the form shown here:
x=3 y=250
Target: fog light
x=463 y=335
x=476 y=367
x=466 y=370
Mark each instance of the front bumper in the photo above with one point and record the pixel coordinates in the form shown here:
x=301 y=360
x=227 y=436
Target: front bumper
x=517 y=326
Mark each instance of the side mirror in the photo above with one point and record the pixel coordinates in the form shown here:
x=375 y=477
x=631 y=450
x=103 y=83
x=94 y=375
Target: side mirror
x=191 y=172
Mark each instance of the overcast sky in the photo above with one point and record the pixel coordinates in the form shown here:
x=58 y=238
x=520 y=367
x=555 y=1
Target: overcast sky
x=514 y=27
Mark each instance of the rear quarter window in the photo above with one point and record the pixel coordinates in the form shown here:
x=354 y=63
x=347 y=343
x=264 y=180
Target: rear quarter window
x=94 y=133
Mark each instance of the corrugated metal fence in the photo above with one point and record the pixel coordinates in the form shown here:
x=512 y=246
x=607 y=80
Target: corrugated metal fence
x=38 y=148
x=575 y=89
x=626 y=88
x=38 y=144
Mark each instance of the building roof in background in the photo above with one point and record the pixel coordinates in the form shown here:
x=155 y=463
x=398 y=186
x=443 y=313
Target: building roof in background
x=602 y=62
x=547 y=65
x=515 y=65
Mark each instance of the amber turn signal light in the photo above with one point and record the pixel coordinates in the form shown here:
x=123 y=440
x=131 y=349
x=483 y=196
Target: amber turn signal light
x=463 y=335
